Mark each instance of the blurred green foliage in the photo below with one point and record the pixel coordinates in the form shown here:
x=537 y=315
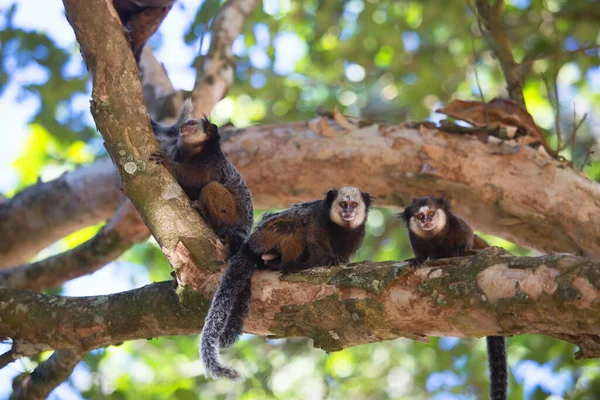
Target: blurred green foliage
x=381 y=59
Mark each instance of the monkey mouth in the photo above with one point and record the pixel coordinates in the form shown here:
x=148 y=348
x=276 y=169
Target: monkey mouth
x=348 y=216
x=189 y=127
x=428 y=226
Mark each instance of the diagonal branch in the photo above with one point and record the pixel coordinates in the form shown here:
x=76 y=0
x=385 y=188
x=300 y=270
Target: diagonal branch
x=217 y=71
x=120 y=233
x=120 y=115
x=490 y=293
x=46 y=377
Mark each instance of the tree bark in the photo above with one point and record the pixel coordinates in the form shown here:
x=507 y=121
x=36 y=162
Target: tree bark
x=46 y=212
x=522 y=196
x=120 y=114
x=490 y=293
x=121 y=232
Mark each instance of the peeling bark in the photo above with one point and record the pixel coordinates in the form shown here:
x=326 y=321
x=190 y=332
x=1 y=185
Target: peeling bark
x=120 y=233
x=490 y=293
x=46 y=212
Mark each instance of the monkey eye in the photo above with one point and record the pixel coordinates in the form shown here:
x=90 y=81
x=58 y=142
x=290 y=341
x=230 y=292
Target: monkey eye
x=430 y=213
x=353 y=204
x=343 y=204
x=420 y=216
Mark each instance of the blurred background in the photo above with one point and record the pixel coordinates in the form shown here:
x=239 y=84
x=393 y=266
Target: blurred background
x=383 y=60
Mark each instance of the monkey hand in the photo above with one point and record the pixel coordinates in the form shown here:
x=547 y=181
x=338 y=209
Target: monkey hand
x=195 y=204
x=160 y=158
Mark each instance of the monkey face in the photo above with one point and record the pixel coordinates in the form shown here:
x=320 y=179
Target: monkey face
x=191 y=133
x=428 y=221
x=348 y=209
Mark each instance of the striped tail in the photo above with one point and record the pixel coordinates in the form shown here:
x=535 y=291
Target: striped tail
x=496 y=348
x=233 y=289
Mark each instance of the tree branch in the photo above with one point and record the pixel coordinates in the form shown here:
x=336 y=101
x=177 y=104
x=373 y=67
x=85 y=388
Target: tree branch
x=490 y=293
x=530 y=59
x=120 y=115
x=120 y=233
x=216 y=73
x=44 y=213
x=495 y=35
x=506 y=195
x=46 y=377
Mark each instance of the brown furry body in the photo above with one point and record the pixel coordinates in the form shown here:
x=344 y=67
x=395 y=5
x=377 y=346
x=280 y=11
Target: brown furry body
x=215 y=187
x=320 y=232
x=435 y=232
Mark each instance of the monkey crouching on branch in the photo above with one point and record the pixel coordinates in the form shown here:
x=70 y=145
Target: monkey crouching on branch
x=320 y=232
x=215 y=187
x=435 y=232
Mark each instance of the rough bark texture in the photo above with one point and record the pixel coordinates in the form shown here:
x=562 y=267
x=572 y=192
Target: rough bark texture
x=120 y=233
x=523 y=196
x=44 y=213
x=120 y=115
x=490 y=293
x=216 y=72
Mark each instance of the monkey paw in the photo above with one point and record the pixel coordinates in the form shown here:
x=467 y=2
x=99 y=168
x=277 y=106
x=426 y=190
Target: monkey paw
x=195 y=204
x=158 y=157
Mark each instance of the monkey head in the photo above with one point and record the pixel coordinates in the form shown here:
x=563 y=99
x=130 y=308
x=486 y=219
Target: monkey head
x=194 y=134
x=427 y=216
x=348 y=206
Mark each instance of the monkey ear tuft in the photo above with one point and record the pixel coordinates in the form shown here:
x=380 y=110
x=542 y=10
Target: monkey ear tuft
x=330 y=197
x=209 y=128
x=443 y=202
x=368 y=199
x=185 y=112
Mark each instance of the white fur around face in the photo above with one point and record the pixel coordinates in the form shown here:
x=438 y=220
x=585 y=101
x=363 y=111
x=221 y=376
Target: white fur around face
x=198 y=136
x=360 y=212
x=438 y=223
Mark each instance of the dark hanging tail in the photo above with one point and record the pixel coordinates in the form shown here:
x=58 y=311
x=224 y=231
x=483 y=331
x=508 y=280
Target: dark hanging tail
x=496 y=348
x=231 y=298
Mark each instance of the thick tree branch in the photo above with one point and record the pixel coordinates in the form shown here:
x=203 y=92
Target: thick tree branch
x=120 y=115
x=217 y=69
x=120 y=232
x=46 y=377
x=490 y=293
x=44 y=213
x=522 y=196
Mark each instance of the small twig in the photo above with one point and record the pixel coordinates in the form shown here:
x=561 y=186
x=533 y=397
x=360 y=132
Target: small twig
x=588 y=154
x=475 y=61
x=553 y=98
x=6 y=358
x=555 y=83
x=576 y=126
x=533 y=58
